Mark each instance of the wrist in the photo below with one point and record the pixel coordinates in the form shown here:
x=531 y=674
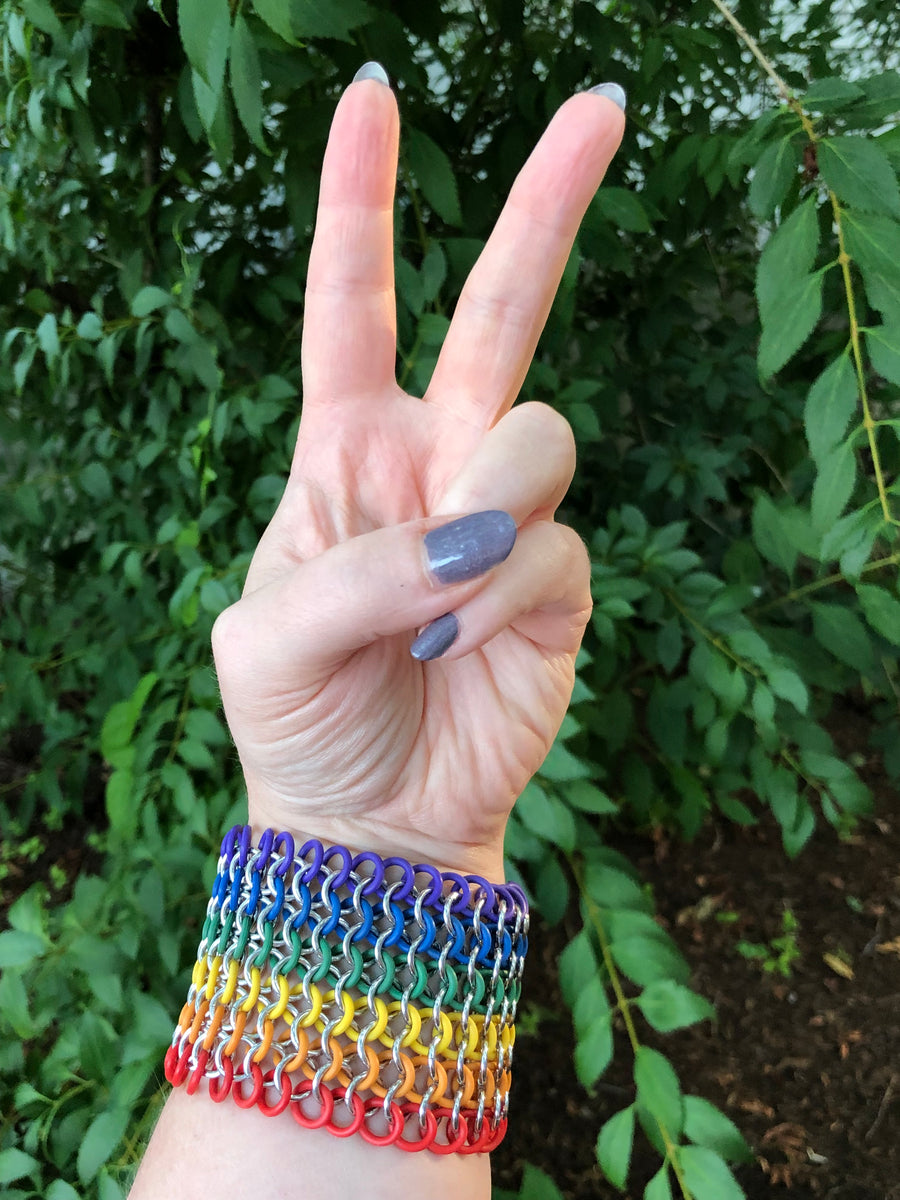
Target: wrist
x=379 y=834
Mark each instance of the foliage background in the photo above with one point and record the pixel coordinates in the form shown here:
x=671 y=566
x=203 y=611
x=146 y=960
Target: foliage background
x=726 y=344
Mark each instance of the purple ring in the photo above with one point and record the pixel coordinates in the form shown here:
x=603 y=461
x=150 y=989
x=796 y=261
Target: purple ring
x=265 y=849
x=229 y=840
x=284 y=839
x=342 y=875
x=490 y=907
x=433 y=899
x=462 y=884
x=375 y=880
x=244 y=836
x=310 y=872
x=409 y=876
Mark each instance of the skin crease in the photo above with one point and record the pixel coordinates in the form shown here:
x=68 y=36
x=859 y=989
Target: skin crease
x=341 y=734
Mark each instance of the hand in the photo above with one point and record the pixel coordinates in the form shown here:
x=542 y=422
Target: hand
x=342 y=734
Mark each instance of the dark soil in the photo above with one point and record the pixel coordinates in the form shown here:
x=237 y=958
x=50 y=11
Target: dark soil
x=807 y=1066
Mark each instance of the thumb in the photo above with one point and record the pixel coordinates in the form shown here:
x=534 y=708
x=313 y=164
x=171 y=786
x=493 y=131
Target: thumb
x=298 y=629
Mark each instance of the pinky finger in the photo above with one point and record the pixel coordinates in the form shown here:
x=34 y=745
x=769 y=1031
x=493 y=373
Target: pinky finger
x=542 y=592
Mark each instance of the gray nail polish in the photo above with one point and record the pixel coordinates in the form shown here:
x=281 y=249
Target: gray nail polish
x=372 y=70
x=436 y=638
x=470 y=545
x=611 y=91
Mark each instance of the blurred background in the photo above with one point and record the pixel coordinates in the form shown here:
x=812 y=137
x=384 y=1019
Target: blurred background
x=717 y=821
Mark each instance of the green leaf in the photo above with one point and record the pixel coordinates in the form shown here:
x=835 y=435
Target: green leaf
x=830 y=405
x=105 y=12
x=336 y=19
x=59 y=1190
x=884 y=350
x=668 y=1005
x=434 y=175
x=593 y=1052
x=831 y=94
x=787 y=685
x=791 y=319
x=577 y=967
x=787 y=257
x=90 y=327
x=205 y=29
x=705 y=1125
x=833 y=486
x=772 y=535
x=537 y=1185
x=707 y=1176
x=102 y=1137
x=18 y=949
x=623 y=208
x=614 y=1147
x=773 y=174
x=16 y=1164
x=658 y=1089
x=858 y=171
x=873 y=242
x=48 y=337
x=562 y=766
x=149 y=299
x=839 y=630
x=590 y=799
x=647 y=960
x=659 y=1187
x=613 y=889
x=246 y=82
x=120 y=803
x=41 y=14
x=95 y=480
x=277 y=15
x=882 y=610
x=544 y=814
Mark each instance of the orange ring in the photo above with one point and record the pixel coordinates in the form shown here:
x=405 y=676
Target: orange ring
x=266 y=1044
x=337 y=1056
x=365 y=1083
x=217 y=1019
x=302 y=1051
x=409 y=1075
x=240 y=1020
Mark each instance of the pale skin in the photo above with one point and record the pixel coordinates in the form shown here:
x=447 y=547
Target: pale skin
x=342 y=735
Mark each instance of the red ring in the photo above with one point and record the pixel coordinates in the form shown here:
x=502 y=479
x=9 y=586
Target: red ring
x=327 y=1100
x=480 y=1140
x=237 y=1093
x=169 y=1063
x=456 y=1145
x=359 y=1116
x=497 y=1136
x=179 y=1070
x=197 y=1073
x=219 y=1089
x=273 y=1110
x=424 y=1142
x=395 y=1131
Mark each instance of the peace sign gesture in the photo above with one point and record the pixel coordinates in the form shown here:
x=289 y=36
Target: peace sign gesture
x=405 y=515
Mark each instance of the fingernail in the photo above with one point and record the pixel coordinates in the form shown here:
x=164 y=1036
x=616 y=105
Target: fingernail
x=436 y=638
x=470 y=545
x=372 y=70
x=611 y=91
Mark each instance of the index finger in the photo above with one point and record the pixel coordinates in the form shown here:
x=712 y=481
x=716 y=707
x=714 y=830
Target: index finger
x=506 y=299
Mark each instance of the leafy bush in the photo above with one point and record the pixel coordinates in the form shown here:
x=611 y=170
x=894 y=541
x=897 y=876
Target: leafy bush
x=726 y=344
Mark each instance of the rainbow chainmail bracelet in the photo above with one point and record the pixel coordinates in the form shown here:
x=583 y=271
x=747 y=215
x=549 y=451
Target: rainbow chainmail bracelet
x=365 y=994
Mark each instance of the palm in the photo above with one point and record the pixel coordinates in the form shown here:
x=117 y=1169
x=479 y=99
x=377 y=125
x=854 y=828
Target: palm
x=408 y=754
